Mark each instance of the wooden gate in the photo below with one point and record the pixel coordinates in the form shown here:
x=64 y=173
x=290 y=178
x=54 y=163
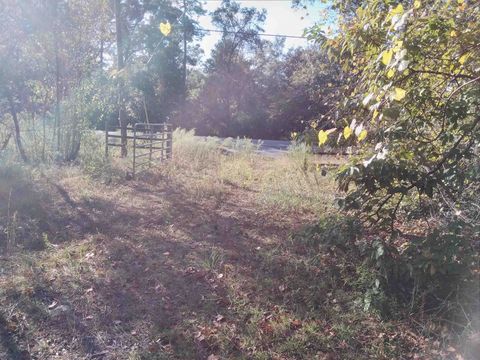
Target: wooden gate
x=152 y=144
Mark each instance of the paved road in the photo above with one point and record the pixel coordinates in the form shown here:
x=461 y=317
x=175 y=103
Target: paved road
x=265 y=147
x=272 y=147
x=268 y=147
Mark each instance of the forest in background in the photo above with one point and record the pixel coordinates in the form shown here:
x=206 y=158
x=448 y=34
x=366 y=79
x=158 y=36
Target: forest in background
x=60 y=71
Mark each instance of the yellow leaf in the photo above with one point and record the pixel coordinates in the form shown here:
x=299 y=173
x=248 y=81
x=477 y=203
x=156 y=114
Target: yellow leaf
x=362 y=135
x=453 y=33
x=387 y=57
x=398 y=46
x=390 y=73
x=347 y=132
x=375 y=114
x=460 y=2
x=397 y=11
x=463 y=58
x=322 y=137
x=165 y=28
x=417 y=4
x=399 y=94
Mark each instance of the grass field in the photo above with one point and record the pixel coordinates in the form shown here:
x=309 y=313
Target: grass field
x=209 y=257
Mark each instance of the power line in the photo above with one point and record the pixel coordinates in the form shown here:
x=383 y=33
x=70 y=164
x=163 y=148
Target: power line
x=259 y=34
x=248 y=0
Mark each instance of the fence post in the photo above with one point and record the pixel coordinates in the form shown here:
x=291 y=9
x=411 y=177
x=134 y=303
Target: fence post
x=134 y=148
x=150 y=135
x=169 y=141
x=106 y=139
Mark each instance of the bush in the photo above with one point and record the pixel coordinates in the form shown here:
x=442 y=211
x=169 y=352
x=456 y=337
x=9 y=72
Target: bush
x=432 y=274
x=22 y=216
x=429 y=273
x=92 y=157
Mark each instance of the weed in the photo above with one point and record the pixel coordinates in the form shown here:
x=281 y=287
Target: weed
x=241 y=147
x=93 y=161
x=12 y=224
x=213 y=260
x=296 y=182
x=194 y=152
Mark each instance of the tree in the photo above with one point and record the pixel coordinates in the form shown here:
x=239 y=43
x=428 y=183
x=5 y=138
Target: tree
x=229 y=83
x=154 y=72
x=418 y=93
x=300 y=86
x=409 y=100
x=120 y=67
x=240 y=26
x=50 y=48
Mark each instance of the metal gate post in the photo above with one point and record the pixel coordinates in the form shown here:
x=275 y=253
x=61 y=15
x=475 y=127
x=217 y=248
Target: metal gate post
x=134 y=148
x=151 y=146
x=106 y=139
x=169 y=141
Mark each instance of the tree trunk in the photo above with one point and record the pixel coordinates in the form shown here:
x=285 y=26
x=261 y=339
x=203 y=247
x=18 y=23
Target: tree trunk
x=120 y=65
x=18 y=139
x=58 y=85
x=5 y=142
x=184 y=50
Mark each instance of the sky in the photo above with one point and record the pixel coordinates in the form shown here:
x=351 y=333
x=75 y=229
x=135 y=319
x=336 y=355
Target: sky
x=281 y=19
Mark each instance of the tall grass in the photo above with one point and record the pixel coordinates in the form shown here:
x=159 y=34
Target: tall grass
x=194 y=152
x=93 y=162
x=297 y=181
x=294 y=181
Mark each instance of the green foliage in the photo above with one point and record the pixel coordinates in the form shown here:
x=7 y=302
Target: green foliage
x=214 y=260
x=410 y=96
x=333 y=231
x=276 y=92
x=92 y=157
x=57 y=73
x=22 y=217
x=253 y=87
x=417 y=94
x=427 y=271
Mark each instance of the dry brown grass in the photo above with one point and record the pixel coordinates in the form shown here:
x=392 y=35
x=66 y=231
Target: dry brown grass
x=190 y=261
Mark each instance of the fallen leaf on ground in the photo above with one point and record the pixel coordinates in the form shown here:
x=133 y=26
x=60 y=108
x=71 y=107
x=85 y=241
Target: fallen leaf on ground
x=295 y=324
x=52 y=305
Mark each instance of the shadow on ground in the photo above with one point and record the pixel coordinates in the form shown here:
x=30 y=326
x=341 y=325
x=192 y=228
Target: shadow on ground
x=152 y=271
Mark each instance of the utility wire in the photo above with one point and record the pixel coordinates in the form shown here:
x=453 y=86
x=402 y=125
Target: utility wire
x=247 y=33
x=248 y=0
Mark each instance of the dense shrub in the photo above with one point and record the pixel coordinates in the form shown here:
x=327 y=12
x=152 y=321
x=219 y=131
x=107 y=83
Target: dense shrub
x=23 y=219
